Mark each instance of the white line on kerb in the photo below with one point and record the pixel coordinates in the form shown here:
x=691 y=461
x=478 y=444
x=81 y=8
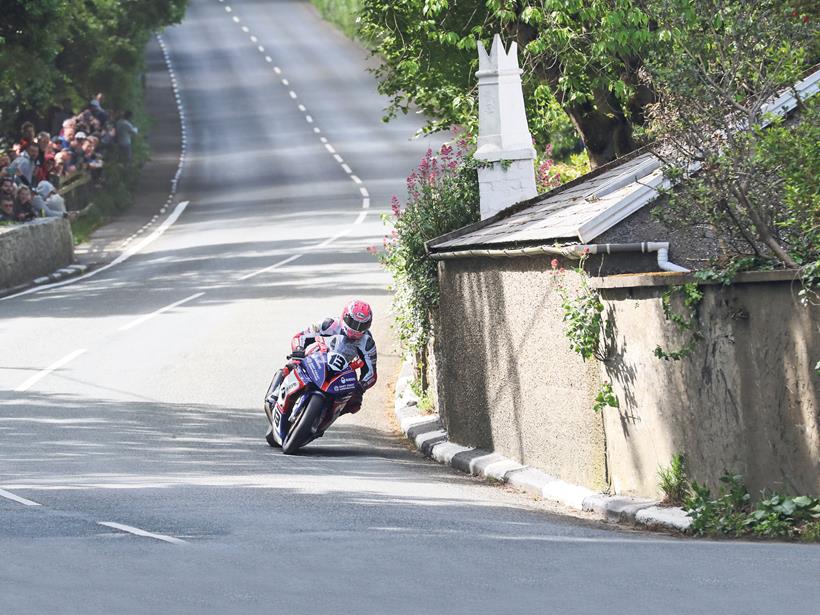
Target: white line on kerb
x=121 y=258
x=138 y=532
x=45 y=372
x=145 y=317
x=289 y=259
x=16 y=498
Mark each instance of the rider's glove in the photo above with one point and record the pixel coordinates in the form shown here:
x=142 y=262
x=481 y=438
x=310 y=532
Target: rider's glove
x=297 y=353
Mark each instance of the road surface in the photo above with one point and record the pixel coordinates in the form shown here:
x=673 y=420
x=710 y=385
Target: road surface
x=134 y=473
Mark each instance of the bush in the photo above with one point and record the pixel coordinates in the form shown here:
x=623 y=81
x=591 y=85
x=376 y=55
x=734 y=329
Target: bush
x=442 y=196
x=732 y=512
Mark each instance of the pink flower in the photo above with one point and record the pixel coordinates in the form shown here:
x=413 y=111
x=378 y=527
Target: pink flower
x=372 y=249
x=554 y=264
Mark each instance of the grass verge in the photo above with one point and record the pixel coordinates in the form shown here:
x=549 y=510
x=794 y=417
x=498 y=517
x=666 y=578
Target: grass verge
x=341 y=13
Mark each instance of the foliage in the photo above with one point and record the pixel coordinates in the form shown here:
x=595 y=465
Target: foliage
x=580 y=58
x=550 y=174
x=583 y=317
x=342 y=13
x=442 y=196
x=692 y=296
x=755 y=187
x=732 y=512
x=84 y=48
x=605 y=397
x=673 y=481
x=585 y=329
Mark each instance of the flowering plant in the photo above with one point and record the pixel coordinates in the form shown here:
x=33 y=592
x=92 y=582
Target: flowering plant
x=442 y=195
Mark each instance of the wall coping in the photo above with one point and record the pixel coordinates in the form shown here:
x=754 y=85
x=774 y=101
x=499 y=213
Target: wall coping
x=668 y=278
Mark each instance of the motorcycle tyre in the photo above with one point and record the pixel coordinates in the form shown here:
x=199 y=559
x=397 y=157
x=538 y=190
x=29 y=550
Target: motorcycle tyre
x=300 y=433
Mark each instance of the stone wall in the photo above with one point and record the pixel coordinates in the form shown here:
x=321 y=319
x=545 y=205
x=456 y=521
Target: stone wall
x=506 y=377
x=34 y=249
x=745 y=400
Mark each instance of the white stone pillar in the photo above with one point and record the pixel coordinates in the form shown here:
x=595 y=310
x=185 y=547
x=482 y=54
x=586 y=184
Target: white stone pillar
x=504 y=140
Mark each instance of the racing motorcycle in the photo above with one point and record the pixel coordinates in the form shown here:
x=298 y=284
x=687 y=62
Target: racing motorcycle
x=309 y=394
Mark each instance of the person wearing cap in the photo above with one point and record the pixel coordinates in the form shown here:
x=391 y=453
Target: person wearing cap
x=77 y=149
x=47 y=203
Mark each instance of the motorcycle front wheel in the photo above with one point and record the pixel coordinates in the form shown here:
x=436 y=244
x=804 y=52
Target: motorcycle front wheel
x=300 y=433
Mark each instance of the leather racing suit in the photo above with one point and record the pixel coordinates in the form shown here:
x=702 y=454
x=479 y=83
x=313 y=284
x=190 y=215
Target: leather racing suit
x=363 y=348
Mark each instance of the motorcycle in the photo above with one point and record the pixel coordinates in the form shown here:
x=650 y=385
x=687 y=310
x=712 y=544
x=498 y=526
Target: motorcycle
x=310 y=392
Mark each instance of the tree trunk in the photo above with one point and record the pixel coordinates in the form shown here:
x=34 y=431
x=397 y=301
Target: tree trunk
x=606 y=133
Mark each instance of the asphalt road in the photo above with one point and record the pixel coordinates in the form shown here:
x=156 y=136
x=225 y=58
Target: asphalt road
x=151 y=419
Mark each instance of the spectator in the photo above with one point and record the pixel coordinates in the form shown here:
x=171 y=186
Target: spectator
x=47 y=202
x=44 y=141
x=46 y=171
x=77 y=150
x=7 y=209
x=26 y=162
x=24 y=209
x=27 y=134
x=7 y=188
x=125 y=131
x=95 y=105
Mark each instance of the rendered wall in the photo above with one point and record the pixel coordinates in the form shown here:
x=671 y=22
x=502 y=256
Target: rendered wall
x=34 y=249
x=745 y=400
x=506 y=377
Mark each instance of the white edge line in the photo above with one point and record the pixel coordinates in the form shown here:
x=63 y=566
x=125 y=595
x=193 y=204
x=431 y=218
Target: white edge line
x=45 y=372
x=360 y=217
x=145 y=317
x=120 y=259
x=289 y=259
x=138 y=532
x=365 y=203
x=10 y=496
x=364 y=191
x=356 y=179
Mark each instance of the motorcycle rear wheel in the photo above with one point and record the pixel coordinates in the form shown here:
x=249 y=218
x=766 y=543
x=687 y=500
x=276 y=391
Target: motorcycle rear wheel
x=300 y=433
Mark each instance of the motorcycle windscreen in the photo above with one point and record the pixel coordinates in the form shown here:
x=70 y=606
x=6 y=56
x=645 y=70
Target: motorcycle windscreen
x=314 y=368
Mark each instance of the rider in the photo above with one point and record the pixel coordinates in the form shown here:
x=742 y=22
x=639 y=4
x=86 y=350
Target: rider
x=354 y=325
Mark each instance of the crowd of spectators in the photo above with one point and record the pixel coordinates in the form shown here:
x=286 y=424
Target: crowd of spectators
x=38 y=164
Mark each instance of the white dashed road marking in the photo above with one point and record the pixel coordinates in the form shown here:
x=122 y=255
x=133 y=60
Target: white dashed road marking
x=45 y=372
x=138 y=532
x=16 y=498
x=146 y=317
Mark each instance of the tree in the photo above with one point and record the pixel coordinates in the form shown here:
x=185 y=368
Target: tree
x=51 y=49
x=755 y=185
x=581 y=57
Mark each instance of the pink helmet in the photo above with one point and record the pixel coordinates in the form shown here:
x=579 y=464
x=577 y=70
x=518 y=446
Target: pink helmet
x=356 y=319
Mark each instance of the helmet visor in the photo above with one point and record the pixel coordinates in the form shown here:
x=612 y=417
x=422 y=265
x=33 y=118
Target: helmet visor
x=355 y=325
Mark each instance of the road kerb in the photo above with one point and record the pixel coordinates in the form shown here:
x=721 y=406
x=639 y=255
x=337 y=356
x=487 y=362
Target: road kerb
x=427 y=432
